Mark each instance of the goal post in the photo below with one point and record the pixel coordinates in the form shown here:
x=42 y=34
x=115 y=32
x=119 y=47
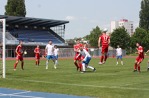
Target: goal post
x=3 y=31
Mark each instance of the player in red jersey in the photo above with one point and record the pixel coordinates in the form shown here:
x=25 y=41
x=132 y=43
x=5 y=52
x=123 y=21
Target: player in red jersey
x=37 y=55
x=105 y=41
x=77 y=58
x=19 y=56
x=140 y=57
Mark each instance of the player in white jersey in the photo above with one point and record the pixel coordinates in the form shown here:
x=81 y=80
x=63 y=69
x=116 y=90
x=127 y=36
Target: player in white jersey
x=56 y=52
x=86 y=57
x=49 y=50
x=119 y=55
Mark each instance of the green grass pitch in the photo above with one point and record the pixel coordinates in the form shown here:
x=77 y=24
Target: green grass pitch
x=109 y=80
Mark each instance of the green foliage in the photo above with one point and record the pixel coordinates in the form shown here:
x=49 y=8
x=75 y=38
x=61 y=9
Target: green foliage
x=144 y=15
x=120 y=37
x=141 y=36
x=15 y=8
x=94 y=36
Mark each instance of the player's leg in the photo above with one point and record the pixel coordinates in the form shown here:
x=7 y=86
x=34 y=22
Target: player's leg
x=101 y=58
x=121 y=60
x=87 y=63
x=38 y=61
x=148 y=65
x=117 y=60
x=76 y=62
x=83 y=67
x=22 y=64
x=135 y=65
x=56 y=59
x=16 y=63
x=47 y=61
x=138 y=64
x=102 y=55
x=80 y=63
x=105 y=55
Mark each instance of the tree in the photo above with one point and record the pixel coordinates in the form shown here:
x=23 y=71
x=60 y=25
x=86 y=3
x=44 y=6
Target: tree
x=141 y=36
x=15 y=8
x=144 y=15
x=120 y=37
x=93 y=37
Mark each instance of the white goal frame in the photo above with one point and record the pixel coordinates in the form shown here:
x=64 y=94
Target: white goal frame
x=3 y=47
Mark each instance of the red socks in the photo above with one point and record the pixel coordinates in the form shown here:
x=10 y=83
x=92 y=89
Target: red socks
x=135 y=66
x=15 y=65
x=105 y=58
x=101 y=58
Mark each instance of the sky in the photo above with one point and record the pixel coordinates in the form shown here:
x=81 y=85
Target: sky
x=83 y=15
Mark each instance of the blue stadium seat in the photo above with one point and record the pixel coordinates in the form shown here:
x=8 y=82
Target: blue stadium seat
x=35 y=36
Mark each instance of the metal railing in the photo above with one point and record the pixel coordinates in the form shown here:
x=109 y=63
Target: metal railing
x=63 y=52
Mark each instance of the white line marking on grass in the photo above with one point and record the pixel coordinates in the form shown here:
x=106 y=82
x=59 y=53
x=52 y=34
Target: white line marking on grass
x=10 y=95
x=21 y=92
x=94 y=86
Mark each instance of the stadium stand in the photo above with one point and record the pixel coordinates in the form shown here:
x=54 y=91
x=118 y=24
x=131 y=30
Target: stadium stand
x=32 y=31
x=35 y=36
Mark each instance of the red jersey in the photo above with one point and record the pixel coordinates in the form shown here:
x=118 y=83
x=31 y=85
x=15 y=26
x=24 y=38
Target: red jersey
x=77 y=46
x=37 y=50
x=104 y=39
x=140 y=51
x=86 y=49
x=19 y=50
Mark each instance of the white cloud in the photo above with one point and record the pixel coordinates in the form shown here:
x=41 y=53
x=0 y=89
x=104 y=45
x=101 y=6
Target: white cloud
x=70 y=18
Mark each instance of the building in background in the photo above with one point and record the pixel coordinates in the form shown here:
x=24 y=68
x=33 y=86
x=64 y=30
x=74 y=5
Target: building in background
x=128 y=25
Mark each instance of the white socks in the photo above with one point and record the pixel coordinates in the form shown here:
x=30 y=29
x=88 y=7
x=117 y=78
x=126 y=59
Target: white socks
x=90 y=67
x=122 y=62
x=83 y=67
x=47 y=62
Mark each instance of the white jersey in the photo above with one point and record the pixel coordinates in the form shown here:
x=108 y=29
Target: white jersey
x=118 y=51
x=56 y=50
x=50 y=49
x=84 y=53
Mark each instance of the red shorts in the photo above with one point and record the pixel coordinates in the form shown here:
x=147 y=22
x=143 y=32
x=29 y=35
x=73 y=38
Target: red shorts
x=104 y=49
x=37 y=56
x=77 y=57
x=19 y=57
x=139 y=59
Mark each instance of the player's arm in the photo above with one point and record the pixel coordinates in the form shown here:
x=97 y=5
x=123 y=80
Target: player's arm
x=58 y=52
x=17 y=51
x=140 y=51
x=75 y=49
x=46 y=50
x=116 y=51
x=39 y=51
x=146 y=52
x=99 y=41
x=34 y=50
x=78 y=54
x=109 y=41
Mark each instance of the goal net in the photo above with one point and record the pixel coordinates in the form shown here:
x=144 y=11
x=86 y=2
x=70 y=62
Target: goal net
x=2 y=48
